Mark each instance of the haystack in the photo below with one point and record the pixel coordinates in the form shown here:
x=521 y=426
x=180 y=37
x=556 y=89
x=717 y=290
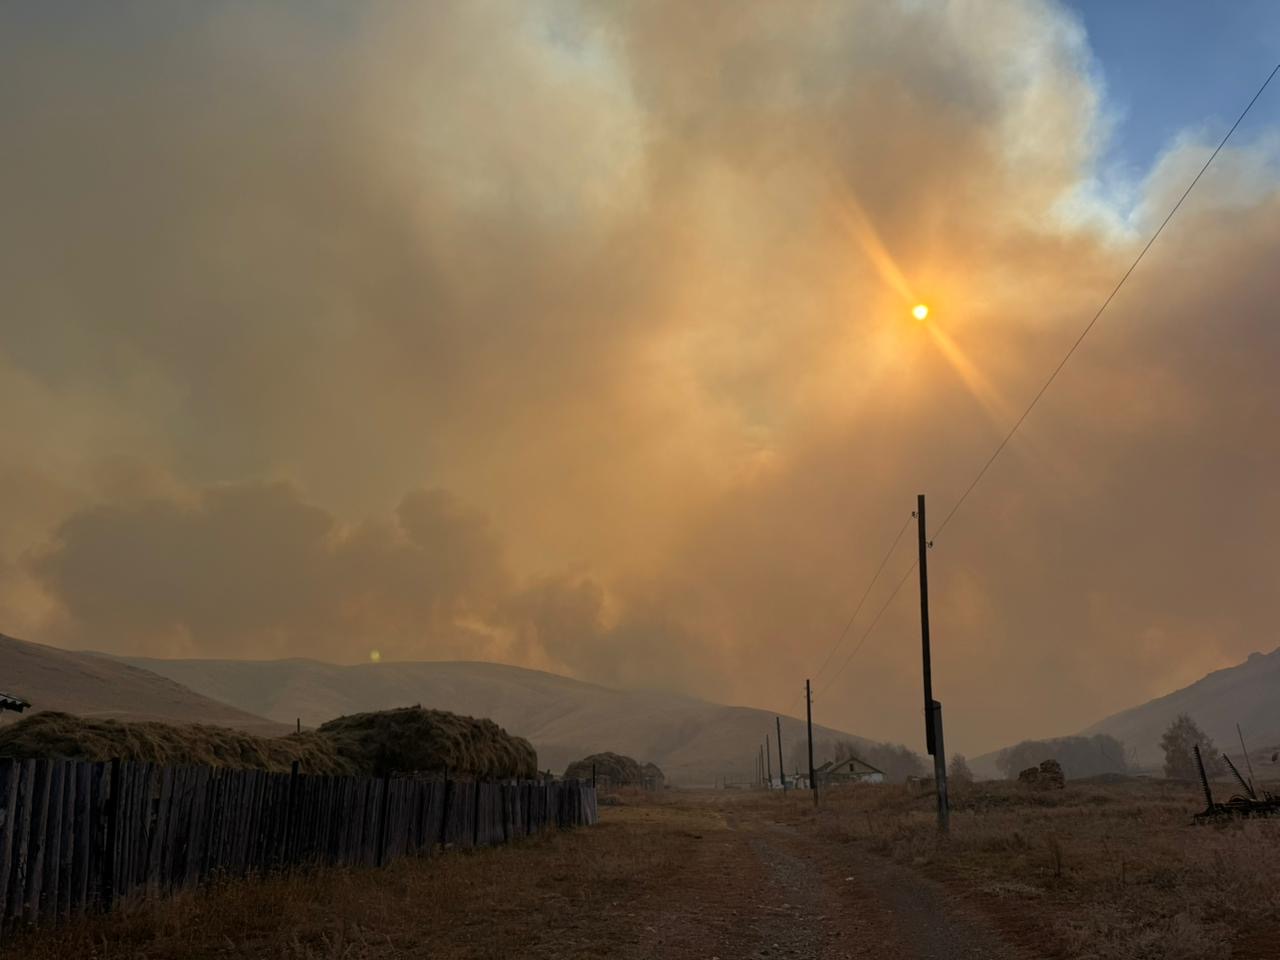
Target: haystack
x=67 y=737
x=369 y=744
x=654 y=777
x=413 y=738
x=1047 y=776
x=613 y=768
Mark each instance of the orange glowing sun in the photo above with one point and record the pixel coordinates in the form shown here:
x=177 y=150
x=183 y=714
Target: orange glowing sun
x=920 y=311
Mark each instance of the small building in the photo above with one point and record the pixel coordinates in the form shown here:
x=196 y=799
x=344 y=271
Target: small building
x=919 y=786
x=849 y=770
x=10 y=702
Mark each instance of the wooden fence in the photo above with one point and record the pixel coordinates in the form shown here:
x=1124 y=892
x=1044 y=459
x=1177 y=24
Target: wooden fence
x=78 y=836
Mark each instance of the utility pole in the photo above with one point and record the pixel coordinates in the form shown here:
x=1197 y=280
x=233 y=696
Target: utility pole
x=808 y=709
x=782 y=771
x=768 y=758
x=932 y=708
x=761 y=767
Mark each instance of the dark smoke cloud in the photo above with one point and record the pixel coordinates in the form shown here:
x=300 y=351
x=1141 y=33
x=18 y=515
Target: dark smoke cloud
x=253 y=570
x=620 y=293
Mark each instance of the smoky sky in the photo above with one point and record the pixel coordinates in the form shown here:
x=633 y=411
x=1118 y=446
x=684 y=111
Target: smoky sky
x=577 y=336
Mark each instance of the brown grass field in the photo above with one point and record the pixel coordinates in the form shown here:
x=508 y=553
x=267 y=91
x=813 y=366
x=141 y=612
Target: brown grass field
x=1109 y=872
x=1115 y=871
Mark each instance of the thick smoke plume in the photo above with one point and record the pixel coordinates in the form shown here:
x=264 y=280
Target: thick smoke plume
x=577 y=336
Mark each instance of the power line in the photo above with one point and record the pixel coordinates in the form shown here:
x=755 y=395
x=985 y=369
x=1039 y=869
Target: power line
x=858 y=609
x=866 y=593
x=871 y=626
x=1040 y=393
x=1085 y=332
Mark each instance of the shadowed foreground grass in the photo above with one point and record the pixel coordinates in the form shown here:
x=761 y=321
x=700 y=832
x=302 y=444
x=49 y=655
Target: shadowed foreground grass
x=540 y=897
x=1114 y=872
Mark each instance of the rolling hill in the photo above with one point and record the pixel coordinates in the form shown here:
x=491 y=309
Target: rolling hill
x=693 y=741
x=1247 y=694
x=106 y=688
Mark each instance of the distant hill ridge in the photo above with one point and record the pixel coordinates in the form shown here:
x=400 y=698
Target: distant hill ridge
x=1247 y=693
x=692 y=740
x=101 y=687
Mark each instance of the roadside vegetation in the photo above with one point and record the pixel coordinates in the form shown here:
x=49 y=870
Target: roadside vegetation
x=1097 y=871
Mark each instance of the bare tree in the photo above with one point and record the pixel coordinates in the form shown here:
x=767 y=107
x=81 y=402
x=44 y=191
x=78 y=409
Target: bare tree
x=958 y=770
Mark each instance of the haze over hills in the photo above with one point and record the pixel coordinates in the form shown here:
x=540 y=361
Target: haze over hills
x=1247 y=693
x=692 y=740
x=103 y=687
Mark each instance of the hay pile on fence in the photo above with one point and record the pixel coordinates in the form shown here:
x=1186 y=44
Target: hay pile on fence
x=369 y=744
x=412 y=738
x=616 y=769
x=66 y=737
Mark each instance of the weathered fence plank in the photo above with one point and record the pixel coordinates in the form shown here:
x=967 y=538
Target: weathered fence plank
x=39 y=841
x=9 y=770
x=77 y=835
x=48 y=904
x=95 y=854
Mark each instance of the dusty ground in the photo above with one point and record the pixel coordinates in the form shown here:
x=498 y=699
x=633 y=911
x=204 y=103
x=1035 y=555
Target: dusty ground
x=690 y=876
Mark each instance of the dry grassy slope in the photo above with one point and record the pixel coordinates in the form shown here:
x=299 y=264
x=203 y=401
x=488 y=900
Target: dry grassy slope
x=693 y=741
x=105 y=688
x=1245 y=694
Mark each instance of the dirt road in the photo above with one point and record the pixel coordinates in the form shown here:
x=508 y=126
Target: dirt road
x=754 y=888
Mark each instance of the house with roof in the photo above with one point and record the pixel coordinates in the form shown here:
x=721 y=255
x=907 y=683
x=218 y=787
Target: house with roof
x=848 y=770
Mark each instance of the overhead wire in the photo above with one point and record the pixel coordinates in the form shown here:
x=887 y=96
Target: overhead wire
x=858 y=609
x=1106 y=303
x=871 y=626
x=1052 y=376
x=863 y=600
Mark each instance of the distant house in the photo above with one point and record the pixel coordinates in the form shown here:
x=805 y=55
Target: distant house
x=850 y=770
x=10 y=702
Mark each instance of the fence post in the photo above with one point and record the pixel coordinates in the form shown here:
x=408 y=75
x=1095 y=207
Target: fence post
x=113 y=836
x=475 y=818
x=9 y=798
x=382 y=819
x=444 y=809
x=290 y=815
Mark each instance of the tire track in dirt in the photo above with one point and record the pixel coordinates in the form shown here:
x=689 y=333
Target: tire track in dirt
x=757 y=890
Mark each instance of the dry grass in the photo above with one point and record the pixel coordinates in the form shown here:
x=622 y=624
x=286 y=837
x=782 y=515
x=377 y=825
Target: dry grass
x=1114 y=872
x=371 y=744
x=612 y=767
x=411 y=738
x=67 y=737
x=571 y=894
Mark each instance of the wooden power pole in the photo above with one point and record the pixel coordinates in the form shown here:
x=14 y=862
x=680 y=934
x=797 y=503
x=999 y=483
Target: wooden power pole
x=768 y=759
x=932 y=708
x=761 y=767
x=808 y=710
x=782 y=771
